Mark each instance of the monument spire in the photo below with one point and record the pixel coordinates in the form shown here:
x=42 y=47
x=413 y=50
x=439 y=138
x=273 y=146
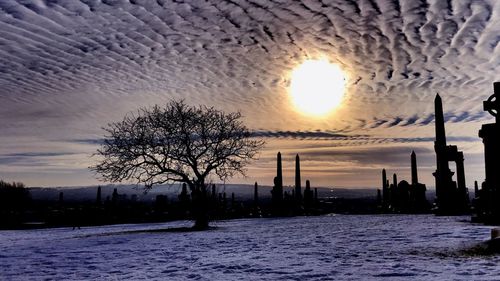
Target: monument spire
x=451 y=196
x=298 y=188
x=277 y=191
x=443 y=174
x=256 y=194
x=414 y=174
x=384 y=178
x=385 y=189
x=439 y=120
x=279 y=170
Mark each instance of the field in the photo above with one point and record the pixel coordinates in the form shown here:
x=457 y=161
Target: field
x=335 y=247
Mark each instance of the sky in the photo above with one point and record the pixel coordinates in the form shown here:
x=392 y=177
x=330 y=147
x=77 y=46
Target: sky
x=68 y=68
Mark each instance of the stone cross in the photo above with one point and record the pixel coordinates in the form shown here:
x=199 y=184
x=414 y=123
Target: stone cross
x=492 y=105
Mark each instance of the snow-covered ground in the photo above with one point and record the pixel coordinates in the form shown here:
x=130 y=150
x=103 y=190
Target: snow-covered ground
x=305 y=248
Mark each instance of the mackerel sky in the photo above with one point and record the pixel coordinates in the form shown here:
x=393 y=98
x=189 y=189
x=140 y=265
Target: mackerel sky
x=67 y=68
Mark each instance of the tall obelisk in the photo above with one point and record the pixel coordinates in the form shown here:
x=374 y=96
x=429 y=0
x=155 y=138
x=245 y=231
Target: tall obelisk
x=298 y=188
x=414 y=173
x=279 y=177
x=443 y=174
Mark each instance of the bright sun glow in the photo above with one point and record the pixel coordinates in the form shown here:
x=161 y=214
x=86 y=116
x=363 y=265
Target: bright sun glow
x=317 y=87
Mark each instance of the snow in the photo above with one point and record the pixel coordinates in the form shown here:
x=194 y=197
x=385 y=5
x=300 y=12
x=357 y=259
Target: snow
x=336 y=247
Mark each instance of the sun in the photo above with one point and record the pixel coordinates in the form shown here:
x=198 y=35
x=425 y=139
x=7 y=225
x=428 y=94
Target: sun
x=317 y=87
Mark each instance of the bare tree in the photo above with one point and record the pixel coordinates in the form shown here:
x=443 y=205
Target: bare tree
x=177 y=143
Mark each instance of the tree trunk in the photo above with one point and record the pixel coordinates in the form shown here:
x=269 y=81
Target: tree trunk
x=201 y=223
x=200 y=208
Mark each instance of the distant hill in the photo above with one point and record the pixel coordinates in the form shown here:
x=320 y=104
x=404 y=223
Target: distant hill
x=241 y=191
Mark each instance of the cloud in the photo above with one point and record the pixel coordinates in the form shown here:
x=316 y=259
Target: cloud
x=346 y=138
x=383 y=155
x=69 y=67
x=33 y=158
x=316 y=135
x=302 y=135
x=37 y=154
x=225 y=53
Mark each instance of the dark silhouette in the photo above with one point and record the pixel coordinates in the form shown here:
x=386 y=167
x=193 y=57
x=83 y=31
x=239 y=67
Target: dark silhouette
x=414 y=173
x=386 y=195
x=379 y=197
x=257 y=212
x=14 y=199
x=403 y=197
x=418 y=200
x=256 y=195
x=114 y=197
x=177 y=143
x=308 y=197
x=394 y=181
x=98 y=199
x=393 y=189
x=298 y=188
x=48 y=212
x=161 y=204
x=224 y=201
x=487 y=199
x=184 y=200
x=292 y=202
x=476 y=190
x=277 y=191
x=451 y=197
x=214 y=192
x=61 y=198
x=233 y=201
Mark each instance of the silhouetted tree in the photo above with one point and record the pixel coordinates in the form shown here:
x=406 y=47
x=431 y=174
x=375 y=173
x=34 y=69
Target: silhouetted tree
x=177 y=143
x=13 y=196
